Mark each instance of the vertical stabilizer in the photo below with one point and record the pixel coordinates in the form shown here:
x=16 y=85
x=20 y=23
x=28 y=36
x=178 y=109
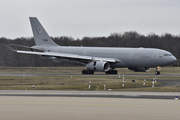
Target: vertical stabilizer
x=40 y=35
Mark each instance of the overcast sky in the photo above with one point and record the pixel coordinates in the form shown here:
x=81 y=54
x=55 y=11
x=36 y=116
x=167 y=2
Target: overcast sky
x=92 y=18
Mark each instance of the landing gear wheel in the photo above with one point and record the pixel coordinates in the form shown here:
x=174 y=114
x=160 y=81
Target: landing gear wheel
x=83 y=71
x=111 y=72
x=91 y=72
x=115 y=71
x=157 y=73
x=107 y=72
x=87 y=72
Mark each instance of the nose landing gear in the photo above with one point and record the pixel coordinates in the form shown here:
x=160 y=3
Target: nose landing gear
x=157 y=70
x=157 y=73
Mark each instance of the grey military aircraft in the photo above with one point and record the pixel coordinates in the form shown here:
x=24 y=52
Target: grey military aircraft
x=96 y=59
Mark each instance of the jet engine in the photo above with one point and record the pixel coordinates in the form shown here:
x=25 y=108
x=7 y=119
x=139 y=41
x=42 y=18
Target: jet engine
x=98 y=66
x=139 y=69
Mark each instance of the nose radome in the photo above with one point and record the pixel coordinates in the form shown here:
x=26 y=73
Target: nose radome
x=173 y=59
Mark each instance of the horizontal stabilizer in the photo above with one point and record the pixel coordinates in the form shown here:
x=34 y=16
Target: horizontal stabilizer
x=19 y=47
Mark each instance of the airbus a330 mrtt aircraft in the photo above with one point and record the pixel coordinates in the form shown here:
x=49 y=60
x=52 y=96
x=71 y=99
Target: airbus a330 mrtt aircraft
x=96 y=59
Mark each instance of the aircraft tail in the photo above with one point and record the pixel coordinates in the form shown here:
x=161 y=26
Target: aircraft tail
x=40 y=35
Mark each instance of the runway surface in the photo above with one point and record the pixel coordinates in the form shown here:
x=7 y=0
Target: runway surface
x=29 y=105
x=92 y=94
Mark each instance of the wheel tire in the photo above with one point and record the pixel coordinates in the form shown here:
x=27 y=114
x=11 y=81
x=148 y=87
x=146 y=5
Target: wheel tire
x=157 y=73
x=91 y=72
x=83 y=71
x=107 y=72
x=111 y=72
x=115 y=72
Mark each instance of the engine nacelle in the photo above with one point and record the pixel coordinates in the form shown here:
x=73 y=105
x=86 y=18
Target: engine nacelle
x=98 y=66
x=139 y=69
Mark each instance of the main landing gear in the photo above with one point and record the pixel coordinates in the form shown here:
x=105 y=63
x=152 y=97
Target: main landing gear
x=111 y=72
x=92 y=72
x=87 y=71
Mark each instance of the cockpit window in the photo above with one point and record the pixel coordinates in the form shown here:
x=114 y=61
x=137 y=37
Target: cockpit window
x=167 y=54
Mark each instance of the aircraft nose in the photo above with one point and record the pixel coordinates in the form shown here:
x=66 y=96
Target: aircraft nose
x=173 y=59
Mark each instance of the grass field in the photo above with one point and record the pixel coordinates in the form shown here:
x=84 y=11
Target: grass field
x=77 y=70
x=52 y=82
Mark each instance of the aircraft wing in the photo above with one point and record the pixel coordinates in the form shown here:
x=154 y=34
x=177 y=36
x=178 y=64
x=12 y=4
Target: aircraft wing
x=85 y=59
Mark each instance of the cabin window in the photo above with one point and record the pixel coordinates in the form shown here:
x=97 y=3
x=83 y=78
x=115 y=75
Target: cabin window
x=167 y=54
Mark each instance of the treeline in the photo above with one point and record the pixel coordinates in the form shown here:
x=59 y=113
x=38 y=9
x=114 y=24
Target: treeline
x=166 y=41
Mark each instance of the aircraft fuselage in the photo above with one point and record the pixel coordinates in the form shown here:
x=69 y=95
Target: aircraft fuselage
x=128 y=57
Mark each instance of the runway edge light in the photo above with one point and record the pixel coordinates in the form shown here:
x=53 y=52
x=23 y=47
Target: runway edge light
x=176 y=98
